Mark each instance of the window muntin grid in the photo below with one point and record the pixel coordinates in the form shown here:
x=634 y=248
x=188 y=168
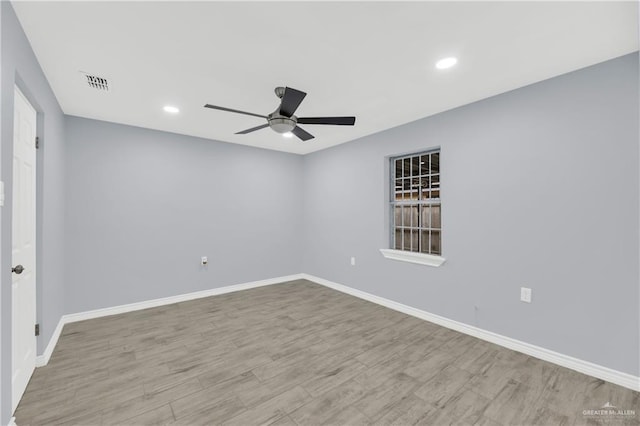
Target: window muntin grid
x=415 y=203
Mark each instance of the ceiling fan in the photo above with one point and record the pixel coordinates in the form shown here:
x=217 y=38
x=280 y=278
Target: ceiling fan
x=282 y=119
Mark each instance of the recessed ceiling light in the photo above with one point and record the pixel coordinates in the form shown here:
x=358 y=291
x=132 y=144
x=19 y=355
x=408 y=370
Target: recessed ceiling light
x=287 y=135
x=171 y=109
x=445 y=63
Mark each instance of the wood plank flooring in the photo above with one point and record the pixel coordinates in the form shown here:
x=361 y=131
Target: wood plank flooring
x=299 y=354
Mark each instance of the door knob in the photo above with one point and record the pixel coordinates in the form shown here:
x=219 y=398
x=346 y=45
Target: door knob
x=18 y=269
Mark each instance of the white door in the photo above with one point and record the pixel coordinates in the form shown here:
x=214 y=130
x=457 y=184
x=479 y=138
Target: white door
x=23 y=246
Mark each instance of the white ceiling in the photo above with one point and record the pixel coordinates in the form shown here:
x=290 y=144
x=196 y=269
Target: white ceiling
x=374 y=60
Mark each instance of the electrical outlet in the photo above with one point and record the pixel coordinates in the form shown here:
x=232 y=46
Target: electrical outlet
x=525 y=294
x=353 y=261
x=203 y=260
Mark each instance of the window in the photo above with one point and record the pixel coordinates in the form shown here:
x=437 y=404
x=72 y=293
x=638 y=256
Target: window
x=415 y=203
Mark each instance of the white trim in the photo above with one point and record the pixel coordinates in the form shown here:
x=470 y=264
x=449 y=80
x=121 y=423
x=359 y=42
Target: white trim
x=97 y=313
x=412 y=257
x=623 y=379
x=43 y=359
x=585 y=367
x=12 y=422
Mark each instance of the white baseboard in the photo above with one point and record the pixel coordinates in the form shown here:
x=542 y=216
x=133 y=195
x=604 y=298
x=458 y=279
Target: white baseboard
x=42 y=360
x=97 y=313
x=585 y=367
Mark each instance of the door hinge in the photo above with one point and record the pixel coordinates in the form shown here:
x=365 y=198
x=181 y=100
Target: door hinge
x=37 y=329
x=37 y=142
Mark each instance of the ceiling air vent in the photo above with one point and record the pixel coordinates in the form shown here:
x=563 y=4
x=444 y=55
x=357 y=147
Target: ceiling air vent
x=95 y=82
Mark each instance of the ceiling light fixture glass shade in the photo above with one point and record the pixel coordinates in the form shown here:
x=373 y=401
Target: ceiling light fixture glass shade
x=282 y=124
x=171 y=109
x=445 y=63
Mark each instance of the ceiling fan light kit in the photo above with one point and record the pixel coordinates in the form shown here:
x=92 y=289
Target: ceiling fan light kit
x=282 y=124
x=283 y=120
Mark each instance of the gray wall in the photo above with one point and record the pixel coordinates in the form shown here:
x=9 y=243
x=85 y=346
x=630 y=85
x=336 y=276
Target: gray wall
x=539 y=189
x=19 y=66
x=143 y=206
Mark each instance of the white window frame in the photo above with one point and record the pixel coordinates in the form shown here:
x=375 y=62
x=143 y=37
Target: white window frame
x=403 y=253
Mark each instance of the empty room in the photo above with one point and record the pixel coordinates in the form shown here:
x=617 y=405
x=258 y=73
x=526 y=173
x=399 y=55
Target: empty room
x=319 y=213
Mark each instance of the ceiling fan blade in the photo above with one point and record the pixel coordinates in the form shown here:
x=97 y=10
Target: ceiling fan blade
x=337 y=121
x=291 y=101
x=253 y=129
x=302 y=134
x=234 y=110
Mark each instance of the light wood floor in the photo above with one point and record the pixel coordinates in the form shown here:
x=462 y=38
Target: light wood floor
x=299 y=353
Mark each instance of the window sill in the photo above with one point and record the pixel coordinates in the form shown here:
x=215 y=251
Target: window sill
x=411 y=257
